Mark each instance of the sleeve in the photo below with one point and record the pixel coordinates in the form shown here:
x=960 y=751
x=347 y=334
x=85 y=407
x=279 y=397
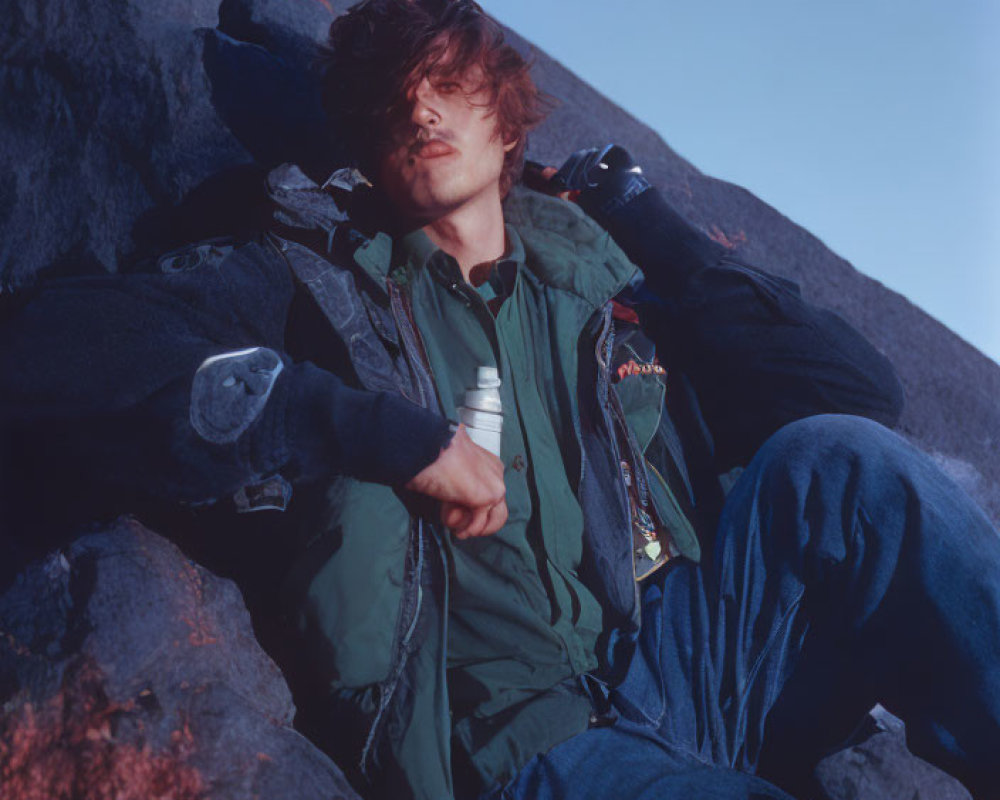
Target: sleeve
x=175 y=385
x=756 y=353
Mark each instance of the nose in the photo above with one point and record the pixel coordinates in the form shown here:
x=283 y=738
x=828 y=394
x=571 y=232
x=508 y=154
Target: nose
x=425 y=108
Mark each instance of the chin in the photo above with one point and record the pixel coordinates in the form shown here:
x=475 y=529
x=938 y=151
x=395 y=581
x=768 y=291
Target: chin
x=436 y=203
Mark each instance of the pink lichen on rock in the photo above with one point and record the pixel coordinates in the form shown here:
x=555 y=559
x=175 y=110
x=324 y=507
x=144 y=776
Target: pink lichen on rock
x=66 y=749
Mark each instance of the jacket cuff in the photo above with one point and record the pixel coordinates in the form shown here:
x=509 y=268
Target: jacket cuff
x=372 y=436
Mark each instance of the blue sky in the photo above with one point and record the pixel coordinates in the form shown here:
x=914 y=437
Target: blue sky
x=873 y=123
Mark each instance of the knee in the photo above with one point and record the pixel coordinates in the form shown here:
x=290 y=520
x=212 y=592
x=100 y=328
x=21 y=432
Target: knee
x=827 y=431
x=822 y=442
x=814 y=479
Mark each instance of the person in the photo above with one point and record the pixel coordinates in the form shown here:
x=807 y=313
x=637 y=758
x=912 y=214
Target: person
x=840 y=568
x=706 y=557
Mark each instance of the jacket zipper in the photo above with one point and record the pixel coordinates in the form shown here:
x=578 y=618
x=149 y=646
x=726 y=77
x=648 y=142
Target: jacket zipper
x=603 y=350
x=413 y=348
x=416 y=360
x=388 y=687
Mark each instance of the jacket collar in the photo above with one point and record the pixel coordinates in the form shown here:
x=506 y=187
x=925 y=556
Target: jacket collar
x=374 y=256
x=558 y=243
x=416 y=251
x=557 y=236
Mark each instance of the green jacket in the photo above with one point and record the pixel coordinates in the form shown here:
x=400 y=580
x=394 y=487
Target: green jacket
x=372 y=582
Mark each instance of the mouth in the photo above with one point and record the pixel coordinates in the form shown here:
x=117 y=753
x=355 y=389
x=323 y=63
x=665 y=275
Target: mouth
x=435 y=148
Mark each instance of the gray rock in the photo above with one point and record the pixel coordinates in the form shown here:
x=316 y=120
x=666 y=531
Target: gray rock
x=125 y=667
x=105 y=112
x=881 y=768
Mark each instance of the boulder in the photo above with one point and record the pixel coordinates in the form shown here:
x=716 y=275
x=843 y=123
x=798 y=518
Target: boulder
x=129 y=672
x=879 y=767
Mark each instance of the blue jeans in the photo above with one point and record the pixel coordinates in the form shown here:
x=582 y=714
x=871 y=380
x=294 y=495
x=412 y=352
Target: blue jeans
x=847 y=570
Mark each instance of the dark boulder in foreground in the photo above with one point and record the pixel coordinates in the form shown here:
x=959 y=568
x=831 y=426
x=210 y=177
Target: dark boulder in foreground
x=129 y=672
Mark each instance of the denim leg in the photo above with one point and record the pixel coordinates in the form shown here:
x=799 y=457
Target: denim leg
x=631 y=761
x=848 y=569
x=668 y=742
x=674 y=680
x=844 y=545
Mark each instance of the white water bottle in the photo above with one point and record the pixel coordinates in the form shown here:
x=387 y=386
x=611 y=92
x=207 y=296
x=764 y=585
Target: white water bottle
x=482 y=414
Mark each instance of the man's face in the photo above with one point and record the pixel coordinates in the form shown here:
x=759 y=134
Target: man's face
x=447 y=153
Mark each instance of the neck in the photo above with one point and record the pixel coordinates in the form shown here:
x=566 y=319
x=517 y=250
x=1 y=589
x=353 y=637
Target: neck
x=472 y=234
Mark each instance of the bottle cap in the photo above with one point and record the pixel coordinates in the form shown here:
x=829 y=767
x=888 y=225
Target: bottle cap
x=487 y=378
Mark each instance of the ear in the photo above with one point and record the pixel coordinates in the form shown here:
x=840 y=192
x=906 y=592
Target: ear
x=508 y=146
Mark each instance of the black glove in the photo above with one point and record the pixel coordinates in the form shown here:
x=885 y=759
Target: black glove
x=607 y=179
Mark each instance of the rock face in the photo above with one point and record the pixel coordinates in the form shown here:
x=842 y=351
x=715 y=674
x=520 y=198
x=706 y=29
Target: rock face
x=126 y=671
x=880 y=768
x=126 y=126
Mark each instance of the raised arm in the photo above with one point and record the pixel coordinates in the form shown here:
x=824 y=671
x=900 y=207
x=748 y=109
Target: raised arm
x=757 y=354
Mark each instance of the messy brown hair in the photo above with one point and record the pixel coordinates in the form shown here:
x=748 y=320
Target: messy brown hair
x=379 y=50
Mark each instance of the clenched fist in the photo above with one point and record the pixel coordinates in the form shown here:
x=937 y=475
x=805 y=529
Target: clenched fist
x=468 y=481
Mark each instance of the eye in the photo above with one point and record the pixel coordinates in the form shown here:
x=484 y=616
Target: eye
x=448 y=87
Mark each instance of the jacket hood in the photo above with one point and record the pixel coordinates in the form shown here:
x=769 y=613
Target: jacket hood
x=558 y=236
